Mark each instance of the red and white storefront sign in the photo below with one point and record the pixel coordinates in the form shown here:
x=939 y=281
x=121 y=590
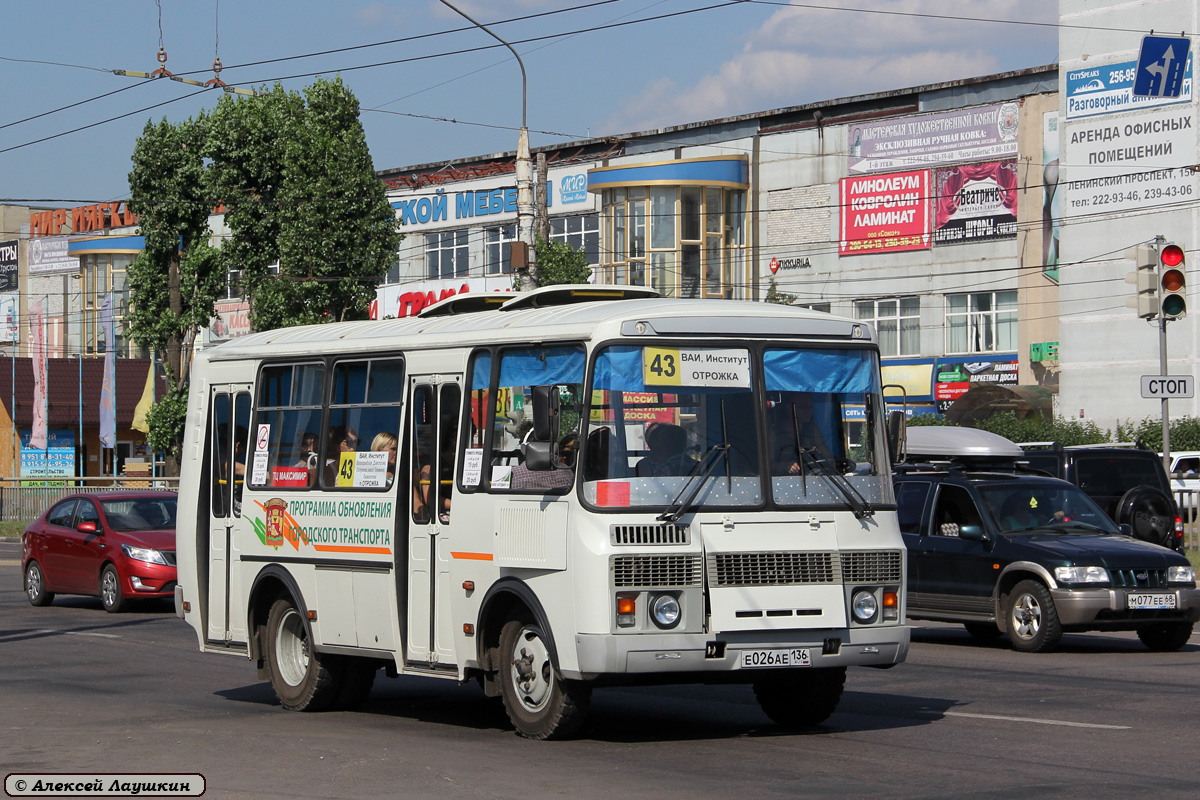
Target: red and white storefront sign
x=885 y=213
x=406 y=299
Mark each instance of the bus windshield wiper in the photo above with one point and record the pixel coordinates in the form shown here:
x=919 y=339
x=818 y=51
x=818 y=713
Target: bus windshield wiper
x=692 y=486
x=857 y=503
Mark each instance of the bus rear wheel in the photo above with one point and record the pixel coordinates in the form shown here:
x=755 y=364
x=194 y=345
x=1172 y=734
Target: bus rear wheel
x=300 y=676
x=801 y=698
x=540 y=703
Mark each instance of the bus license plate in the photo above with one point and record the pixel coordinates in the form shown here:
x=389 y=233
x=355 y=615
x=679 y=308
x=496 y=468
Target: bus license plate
x=1152 y=601
x=791 y=657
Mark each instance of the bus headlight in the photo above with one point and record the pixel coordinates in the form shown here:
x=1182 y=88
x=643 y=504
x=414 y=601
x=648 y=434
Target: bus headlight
x=864 y=605
x=665 y=611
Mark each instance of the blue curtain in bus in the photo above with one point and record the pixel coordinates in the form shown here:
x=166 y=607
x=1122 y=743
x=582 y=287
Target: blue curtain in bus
x=838 y=371
x=619 y=369
x=541 y=366
x=481 y=374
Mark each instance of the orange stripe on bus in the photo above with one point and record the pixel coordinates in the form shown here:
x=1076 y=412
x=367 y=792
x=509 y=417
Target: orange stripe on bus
x=329 y=548
x=472 y=556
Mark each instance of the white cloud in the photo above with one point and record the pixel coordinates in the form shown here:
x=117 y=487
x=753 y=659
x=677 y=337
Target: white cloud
x=801 y=55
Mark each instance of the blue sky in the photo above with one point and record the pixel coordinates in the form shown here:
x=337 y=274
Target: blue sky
x=734 y=58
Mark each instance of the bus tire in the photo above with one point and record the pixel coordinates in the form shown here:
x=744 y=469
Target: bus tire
x=801 y=698
x=302 y=678
x=358 y=677
x=540 y=703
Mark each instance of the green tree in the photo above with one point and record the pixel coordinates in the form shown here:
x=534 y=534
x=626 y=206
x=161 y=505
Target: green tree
x=175 y=280
x=558 y=262
x=337 y=232
x=778 y=297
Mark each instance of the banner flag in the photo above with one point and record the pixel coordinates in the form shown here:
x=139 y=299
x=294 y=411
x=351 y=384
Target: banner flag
x=143 y=406
x=108 y=391
x=37 y=347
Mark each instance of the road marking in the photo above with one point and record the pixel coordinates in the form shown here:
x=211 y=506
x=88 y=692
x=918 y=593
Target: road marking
x=1034 y=720
x=10 y=562
x=84 y=633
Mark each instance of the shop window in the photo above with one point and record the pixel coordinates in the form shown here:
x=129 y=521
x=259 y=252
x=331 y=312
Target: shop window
x=496 y=241
x=981 y=322
x=897 y=320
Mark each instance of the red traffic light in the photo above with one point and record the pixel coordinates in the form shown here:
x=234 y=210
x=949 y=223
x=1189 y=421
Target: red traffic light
x=1171 y=255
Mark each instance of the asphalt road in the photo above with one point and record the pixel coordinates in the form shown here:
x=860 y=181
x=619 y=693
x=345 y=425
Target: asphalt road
x=85 y=691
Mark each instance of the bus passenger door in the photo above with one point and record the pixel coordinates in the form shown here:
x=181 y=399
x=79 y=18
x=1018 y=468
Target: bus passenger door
x=229 y=424
x=435 y=402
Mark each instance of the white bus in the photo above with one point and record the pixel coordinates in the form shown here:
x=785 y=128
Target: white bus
x=546 y=492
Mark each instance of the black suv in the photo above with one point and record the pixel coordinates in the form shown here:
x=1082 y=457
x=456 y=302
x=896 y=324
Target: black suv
x=1129 y=483
x=1003 y=550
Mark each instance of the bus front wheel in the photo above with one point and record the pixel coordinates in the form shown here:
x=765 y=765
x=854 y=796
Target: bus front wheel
x=540 y=703
x=801 y=698
x=299 y=675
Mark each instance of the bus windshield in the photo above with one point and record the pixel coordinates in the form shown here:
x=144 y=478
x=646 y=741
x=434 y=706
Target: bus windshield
x=662 y=418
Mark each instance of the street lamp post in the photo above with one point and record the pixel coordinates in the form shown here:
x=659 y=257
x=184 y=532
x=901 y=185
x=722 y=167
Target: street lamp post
x=524 y=168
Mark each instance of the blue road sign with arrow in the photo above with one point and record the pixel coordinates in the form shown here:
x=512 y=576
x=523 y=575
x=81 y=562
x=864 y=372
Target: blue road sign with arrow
x=1161 y=65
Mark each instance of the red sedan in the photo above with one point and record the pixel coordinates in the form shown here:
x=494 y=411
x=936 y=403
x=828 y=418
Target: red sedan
x=119 y=546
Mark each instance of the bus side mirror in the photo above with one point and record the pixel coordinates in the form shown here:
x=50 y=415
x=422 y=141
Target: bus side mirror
x=896 y=436
x=545 y=413
x=539 y=456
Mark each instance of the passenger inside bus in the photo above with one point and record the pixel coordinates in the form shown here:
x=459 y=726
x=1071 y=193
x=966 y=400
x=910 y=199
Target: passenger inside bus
x=342 y=439
x=667 y=456
x=386 y=442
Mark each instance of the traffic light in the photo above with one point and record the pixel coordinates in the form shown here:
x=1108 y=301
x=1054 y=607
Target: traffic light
x=1145 y=258
x=1172 y=280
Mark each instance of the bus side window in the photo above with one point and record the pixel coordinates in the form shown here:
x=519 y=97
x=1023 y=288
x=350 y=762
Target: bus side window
x=289 y=404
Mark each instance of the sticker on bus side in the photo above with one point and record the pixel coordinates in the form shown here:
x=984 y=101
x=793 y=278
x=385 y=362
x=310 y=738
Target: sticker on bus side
x=472 y=466
x=701 y=366
x=258 y=465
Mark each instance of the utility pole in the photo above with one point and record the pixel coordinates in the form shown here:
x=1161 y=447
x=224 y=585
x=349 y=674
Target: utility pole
x=1159 y=241
x=522 y=254
x=541 y=192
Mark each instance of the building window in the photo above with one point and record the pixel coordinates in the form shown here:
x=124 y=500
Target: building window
x=686 y=241
x=982 y=322
x=233 y=285
x=825 y=307
x=581 y=232
x=104 y=277
x=898 y=322
x=446 y=254
x=496 y=241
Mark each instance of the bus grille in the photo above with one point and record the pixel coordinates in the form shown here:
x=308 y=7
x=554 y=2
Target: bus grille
x=668 y=533
x=872 y=566
x=1139 y=578
x=651 y=571
x=771 y=569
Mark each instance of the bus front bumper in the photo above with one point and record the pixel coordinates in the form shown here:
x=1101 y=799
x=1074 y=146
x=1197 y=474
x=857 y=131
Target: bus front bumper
x=661 y=654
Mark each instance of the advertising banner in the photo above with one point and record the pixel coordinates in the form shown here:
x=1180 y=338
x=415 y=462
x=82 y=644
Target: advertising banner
x=1133 y=163
x=55 y=462
x=48 y=256
x=954 y=379
x=9 y=275
x=915 y=377
x=10 y=323
x=407 y=299
x=884 y=213
x=975 y=203
x=968 y=134
x=1109 y=88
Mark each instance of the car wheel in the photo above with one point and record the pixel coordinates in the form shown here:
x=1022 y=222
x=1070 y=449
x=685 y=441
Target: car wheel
x=540 y=703
x=1150 y=513
x=1165 y=636
x=303 y=679
x=35 y=586
x=110 y=590
x=801 y=698
x=1033 y=625
x=983 y=631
